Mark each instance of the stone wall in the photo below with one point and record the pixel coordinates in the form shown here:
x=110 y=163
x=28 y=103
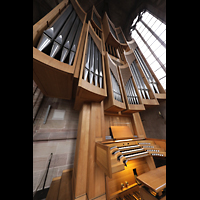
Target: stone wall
x=37 y=99
x=155 y=124
x=57 y=136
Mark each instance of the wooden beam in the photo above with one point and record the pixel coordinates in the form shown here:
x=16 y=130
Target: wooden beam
x=79 y=177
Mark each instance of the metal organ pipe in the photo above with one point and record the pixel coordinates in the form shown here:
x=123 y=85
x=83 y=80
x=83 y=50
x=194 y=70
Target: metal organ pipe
x=60 y=39
x=116 y=89
x=139 y=81
x=86 y=70
x=49 y=34
x=131 y=93
x=93 y=65
x=100 y=71
x=146 y=71
x=91 y=72
x=75 y=43
x=68 y=42
x=96 y=62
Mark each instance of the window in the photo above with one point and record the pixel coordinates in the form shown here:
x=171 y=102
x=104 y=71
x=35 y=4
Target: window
x=150 y=35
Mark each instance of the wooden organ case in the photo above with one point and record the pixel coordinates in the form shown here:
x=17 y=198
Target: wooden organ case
x=91 y=63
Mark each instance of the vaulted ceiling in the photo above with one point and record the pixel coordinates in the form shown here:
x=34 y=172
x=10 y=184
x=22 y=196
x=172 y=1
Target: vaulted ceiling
x=121 y=12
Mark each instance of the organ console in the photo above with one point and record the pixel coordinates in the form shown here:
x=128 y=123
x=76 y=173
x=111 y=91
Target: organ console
x=110 y=82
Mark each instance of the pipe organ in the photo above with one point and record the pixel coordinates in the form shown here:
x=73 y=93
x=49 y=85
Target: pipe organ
x=110 y=82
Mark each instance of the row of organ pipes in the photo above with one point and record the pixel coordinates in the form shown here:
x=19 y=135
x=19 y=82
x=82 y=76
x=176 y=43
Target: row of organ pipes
x=63 y=35
x=139 y=81
x=93 y=65
x=103 y=53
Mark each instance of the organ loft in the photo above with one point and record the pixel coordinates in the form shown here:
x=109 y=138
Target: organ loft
x=102 y=74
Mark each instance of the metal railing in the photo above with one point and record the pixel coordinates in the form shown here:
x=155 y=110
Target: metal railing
x=44 y=175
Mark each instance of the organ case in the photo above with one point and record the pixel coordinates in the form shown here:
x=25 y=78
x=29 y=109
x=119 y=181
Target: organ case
x=148 y=97
x=159 y=91
x=115 y=101
x=92 y=80
x=110 y=34
x=132 y=96
x=115 y=40
x=48 y=70
x=96 y=22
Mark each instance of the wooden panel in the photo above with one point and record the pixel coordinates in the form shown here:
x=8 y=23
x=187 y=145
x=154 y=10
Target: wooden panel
x=155 y=179
x=80 y=12
x=121 y=132
x=160 y=142
x=138 y=126
x=65 y=190
x=80 y=53
x=84 y=197
x=132 y=44
x=102 y=158
x=98 y=16
x=109 y=37
x=114 y=184
x=95 y=176
x=81 y=154
x=88 y=177
x=119 y=30
x=54 y=189
x=52 y=82
x=117 y=121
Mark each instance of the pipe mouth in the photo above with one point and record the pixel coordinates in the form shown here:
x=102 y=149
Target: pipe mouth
x=44 y=42
x=64 y=54
x=55 y=48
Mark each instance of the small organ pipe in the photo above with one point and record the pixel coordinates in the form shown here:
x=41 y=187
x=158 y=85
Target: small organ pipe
x=75 y=43
x=146 y=71
x=88 y=58
x=100 y=71
x=91 y=62
x=96 y=62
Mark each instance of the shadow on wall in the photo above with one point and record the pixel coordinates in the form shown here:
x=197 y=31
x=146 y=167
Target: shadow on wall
x=154 y=121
